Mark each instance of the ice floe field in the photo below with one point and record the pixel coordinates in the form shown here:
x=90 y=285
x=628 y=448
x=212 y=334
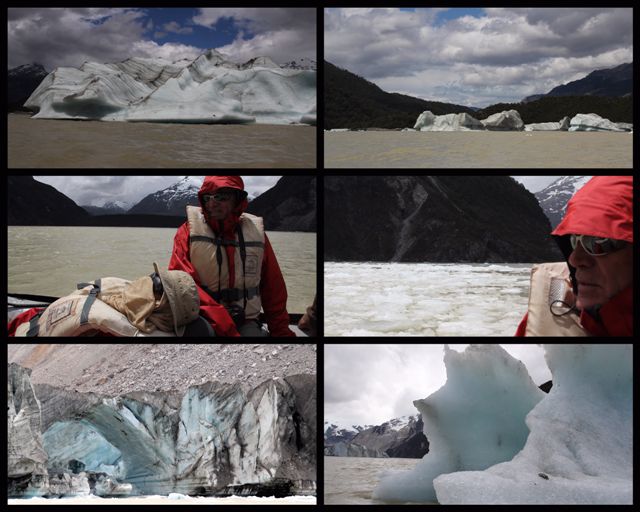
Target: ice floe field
x=478 y=149
x=424 y=299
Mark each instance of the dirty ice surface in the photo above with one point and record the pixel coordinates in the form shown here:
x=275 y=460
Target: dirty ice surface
x=493 y=392
x=424 y=299
x=172 y=499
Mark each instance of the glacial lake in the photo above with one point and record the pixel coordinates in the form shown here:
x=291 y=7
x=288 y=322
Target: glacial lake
x=484 y=149
x=50 y=260
x=351 y=480
x=90 y=144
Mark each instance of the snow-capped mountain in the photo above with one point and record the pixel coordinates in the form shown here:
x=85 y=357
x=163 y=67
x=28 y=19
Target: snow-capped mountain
x=21 y=82
x=553 y=199
x=108 y=208
x=210 y=89
x=172 y=200
x=398 y=437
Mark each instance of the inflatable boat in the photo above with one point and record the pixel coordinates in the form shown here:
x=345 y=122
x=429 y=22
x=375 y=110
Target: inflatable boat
x=18 y=303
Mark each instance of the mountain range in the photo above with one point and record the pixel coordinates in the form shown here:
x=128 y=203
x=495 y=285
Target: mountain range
x=355 y=103
x=554 y=197
x=439 y=219
x=399 y=437
x=616 y=81
x=21 y=82
x=289 y=206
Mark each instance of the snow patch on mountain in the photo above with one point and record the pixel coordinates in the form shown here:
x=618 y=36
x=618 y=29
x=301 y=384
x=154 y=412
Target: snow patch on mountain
x=553 y=199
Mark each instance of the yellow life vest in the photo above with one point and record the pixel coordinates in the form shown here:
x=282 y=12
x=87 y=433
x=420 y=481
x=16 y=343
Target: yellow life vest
x=551 y=282
x=214 y=275
x=82 y=313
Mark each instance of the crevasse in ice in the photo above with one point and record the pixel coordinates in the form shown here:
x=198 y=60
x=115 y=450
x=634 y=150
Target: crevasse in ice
x=578 y=451
x=209 y=89
x=474 y=421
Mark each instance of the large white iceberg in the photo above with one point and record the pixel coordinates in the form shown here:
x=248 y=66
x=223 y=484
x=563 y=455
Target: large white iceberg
x=509 y=120
x=429 y=122
x=209 y=89
x=579 y=448
x=592 y=123
x=474 y=421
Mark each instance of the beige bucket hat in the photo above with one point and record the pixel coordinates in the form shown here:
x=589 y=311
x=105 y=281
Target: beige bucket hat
x=182 y=294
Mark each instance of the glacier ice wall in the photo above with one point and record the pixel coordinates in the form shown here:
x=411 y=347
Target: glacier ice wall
x=209 y=89
x=213 y=439
x=26 y=457
x=580 y=447
x=474 y=421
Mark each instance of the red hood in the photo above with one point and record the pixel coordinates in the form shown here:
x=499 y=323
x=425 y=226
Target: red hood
x=213 y=183
x=603 y=207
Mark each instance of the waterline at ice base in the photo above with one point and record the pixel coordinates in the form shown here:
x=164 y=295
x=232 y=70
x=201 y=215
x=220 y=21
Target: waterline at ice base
x=495 y=438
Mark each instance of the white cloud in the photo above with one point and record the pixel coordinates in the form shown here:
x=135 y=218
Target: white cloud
x=98 y=190
x=57 y=37
x=283 y=34
x=372 y=383
x=503 y=56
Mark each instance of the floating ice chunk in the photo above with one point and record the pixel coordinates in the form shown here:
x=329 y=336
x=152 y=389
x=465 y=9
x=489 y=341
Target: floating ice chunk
x=580 y=447
x=474 y=421
x=592 y=123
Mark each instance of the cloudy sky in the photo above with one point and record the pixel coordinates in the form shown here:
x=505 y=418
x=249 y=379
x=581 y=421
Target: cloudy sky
x=477 y=57
x=98 y=190
x=67 y=37
x=370 y=384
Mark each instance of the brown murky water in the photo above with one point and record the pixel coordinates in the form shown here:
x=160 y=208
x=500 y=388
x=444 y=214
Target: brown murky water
x=478 y=149
x=54 y=144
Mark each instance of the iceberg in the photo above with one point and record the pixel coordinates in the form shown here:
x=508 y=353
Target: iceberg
x=509 y=120
x=592 y=123
x=560 y=126
x=429 y=122
x=580 y=449
x=209 y=89
x=474 y=421
x=575 y=448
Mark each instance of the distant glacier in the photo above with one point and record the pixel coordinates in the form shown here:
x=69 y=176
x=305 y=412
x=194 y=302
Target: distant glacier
x=210 y=89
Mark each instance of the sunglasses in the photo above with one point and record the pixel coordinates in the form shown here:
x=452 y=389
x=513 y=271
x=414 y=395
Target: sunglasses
x=221 y=197
x=596 y=246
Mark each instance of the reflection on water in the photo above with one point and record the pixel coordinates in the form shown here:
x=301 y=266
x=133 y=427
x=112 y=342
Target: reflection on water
x=54 y=143
x=51 y=260
x=478 y=149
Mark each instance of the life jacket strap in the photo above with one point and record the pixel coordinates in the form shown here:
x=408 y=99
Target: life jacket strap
x=223 y=241
x=91 y=298
x=232 y=294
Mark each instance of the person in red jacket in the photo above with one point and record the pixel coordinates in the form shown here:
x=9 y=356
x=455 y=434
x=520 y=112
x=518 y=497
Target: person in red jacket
x=596 y=234
x=229 y=256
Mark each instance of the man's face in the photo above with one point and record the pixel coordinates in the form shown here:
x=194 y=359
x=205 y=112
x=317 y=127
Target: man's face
x=221 y=203
x=601 y=277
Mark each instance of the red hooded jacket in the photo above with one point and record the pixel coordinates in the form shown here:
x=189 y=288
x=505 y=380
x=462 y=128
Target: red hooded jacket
x=273 y=291
x=603 y=208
